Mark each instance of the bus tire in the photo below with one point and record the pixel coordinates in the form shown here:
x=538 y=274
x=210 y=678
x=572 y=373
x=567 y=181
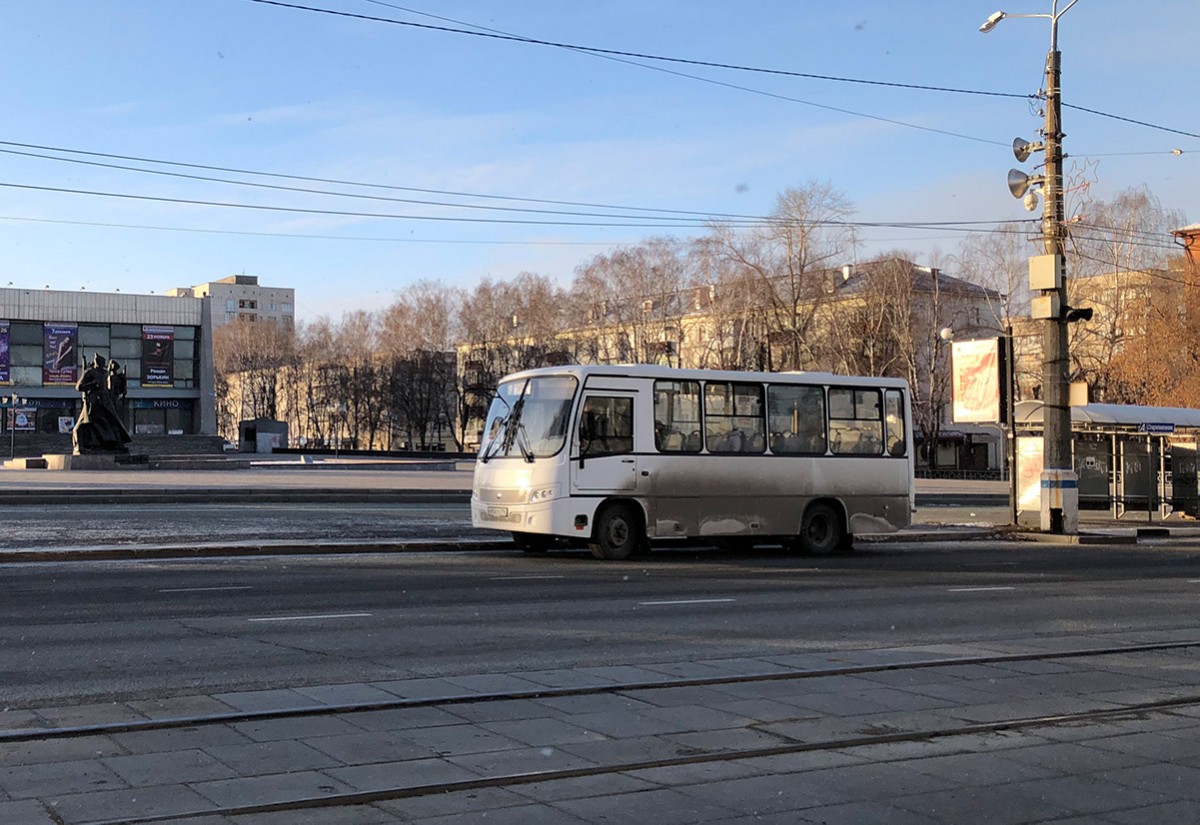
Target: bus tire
x=617 y=533
x=821 y=531
x=532 y=542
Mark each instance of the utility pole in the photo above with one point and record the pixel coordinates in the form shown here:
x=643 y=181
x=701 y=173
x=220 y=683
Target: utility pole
x=1057 y=466
x=1048 y=284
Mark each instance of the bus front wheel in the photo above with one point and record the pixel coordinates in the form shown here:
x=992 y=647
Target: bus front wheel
x=821 y=531
x=617 y=533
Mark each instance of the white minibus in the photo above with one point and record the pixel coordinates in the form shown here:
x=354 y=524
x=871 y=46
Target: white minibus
x=615 y=456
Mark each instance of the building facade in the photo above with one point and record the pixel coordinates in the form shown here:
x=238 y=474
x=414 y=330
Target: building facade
x=240 y=297
x=162 y=345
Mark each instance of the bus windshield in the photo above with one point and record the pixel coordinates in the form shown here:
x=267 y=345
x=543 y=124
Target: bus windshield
x=528 y=418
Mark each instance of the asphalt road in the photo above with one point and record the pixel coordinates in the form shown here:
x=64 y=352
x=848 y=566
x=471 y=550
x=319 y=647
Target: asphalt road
x=86 y=632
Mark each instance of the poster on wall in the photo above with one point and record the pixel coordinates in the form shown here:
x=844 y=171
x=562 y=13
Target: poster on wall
x=5 y=363
x=60 y=356
x=1029 y=473
x=158 y=356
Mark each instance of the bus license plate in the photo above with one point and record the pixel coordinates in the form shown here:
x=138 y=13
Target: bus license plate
x=496 y=511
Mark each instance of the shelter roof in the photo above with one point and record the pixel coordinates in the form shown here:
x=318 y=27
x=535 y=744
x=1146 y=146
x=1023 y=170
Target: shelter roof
x=1114 y=415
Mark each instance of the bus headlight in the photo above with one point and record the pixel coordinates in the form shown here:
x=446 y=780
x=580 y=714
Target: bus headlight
x=543 y=493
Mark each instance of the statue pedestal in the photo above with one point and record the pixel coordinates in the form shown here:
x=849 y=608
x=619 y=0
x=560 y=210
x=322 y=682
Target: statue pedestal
x=97 y=461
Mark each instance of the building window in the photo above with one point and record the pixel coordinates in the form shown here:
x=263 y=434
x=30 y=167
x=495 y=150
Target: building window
x=230 y=305
x=286 y=307
x=247 y=304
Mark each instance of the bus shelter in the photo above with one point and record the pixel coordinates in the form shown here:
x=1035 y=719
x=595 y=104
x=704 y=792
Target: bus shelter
x=1130 y=460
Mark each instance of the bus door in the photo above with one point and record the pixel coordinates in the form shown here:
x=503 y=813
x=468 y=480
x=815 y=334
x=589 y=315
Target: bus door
x=602 y=457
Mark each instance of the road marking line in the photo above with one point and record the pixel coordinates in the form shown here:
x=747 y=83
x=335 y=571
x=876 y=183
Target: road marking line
x=523 y=578
x=976 y=589
x=690 y=601
x=304 y=618
x=202 y=589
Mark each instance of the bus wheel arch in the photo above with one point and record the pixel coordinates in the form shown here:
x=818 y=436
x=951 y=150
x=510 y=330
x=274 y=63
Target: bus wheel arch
x=823 y=530
x=618 y=530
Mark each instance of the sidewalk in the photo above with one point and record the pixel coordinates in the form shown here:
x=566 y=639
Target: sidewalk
x=858 y=738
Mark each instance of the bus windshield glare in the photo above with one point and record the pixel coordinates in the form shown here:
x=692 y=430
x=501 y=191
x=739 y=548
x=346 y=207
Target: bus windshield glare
x=528 y=418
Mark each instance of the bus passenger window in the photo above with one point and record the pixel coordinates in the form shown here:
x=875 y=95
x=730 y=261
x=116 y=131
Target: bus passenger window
x=855 y=422
x=677 y=416
x=796 y=418
x=733 y=418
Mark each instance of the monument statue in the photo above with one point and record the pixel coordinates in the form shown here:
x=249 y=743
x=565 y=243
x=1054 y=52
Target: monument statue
x=117 y=386
x=99 y=428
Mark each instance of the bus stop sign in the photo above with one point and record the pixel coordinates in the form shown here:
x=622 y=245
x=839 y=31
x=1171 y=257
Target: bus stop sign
x=1156 y=428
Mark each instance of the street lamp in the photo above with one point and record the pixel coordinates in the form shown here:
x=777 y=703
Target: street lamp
x=14 y=399
x=1059 y=482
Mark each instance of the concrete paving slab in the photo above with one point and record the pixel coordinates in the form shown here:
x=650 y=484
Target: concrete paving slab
x=663 y=807
x=59 y=778
x=544 y=732
x=299 y=727
x=27 y=812
x=479 y=802
x=260 y=758
x=161 y=741
x=460 y=740
x=117 y=805
x=402 y=718
x=412 y=773
x=13 y=754
x=271 y=788
x=148 y=770
x=367 y=748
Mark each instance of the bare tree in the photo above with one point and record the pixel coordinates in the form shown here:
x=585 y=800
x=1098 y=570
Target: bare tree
x=1117 y=259
x=418 y=332
x=247 y=356
x=790 y=258
x=505 y=327
x=627 y=304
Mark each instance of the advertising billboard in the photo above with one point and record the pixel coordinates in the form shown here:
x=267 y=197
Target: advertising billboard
x=5 y=362
x=978 y=385
x=158 y=356
x=60 y=354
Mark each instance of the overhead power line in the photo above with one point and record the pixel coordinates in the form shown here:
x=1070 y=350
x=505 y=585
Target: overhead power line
x=381 y=186
x=686 y=219
x=706 y=63
x=494 y=35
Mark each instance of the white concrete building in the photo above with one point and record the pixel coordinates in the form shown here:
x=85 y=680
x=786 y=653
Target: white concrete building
x=241 y=297
x=163 y=344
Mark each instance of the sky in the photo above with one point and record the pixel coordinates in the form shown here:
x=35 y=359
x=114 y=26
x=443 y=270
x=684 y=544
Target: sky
x=571 y=154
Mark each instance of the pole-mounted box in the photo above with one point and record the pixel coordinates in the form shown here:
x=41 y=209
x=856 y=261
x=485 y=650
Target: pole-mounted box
x=1047 y=272
x=1044 y=307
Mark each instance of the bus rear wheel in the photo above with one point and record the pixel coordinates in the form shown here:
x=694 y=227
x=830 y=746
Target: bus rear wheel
x=617 y=533
x=821 y=532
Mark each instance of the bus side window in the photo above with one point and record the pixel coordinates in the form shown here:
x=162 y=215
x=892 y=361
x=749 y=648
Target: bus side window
x=677 y=416
x=855 y=422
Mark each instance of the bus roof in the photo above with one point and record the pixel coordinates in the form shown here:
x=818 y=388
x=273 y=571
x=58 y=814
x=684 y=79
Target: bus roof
x=675 y=374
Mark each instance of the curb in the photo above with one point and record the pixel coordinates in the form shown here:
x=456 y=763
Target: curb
x=225 y=495
x=136 y=552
